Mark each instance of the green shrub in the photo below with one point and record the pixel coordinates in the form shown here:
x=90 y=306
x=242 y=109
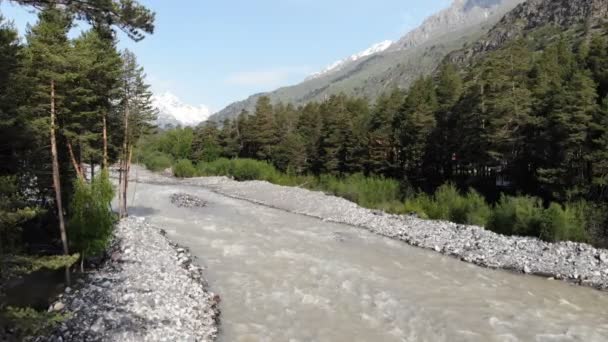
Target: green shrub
x=218 y=167
x=517 y=216
x=157 y=161
x=565 y=223
x=448 y=204
x=370 y=192
x=184 y=169
x=477 y=210
x=91 y=218
x=419 y=205
x=249 y=169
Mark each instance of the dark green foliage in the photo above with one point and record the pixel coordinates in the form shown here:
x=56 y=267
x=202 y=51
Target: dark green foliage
x=130 y=16
x=14 y=211
x=91 y=217
x=29 y=322
x=517 y=216
x=184 y=168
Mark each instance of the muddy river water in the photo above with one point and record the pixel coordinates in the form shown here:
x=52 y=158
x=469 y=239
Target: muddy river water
x=288 y=277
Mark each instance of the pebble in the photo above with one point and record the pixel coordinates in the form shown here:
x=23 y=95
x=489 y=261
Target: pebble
x=182 y=200
x=58 y=306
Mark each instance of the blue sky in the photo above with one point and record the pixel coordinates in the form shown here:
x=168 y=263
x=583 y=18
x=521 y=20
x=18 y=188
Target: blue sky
x=217 y=52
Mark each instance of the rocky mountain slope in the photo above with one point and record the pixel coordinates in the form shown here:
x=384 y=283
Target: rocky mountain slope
x=416 y=53
x=533 y=14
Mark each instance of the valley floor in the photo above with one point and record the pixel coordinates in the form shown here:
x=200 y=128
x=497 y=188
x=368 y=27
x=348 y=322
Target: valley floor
x=289 y=268
x=573 y=262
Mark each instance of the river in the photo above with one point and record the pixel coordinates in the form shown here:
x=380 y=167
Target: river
x=288 y=277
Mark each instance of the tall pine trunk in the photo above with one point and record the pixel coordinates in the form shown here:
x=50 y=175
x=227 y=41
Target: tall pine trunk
x=56 y=181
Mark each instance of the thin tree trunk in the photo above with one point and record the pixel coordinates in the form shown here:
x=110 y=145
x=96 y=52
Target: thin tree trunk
x=56 y=181
x=74 y=162
x=81 y=160
x=120 y=188
x=126 y=180
x=92 y=170
x=125 y=150
x=105 y=141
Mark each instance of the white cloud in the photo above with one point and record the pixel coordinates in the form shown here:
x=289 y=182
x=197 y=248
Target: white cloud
x=266 y=78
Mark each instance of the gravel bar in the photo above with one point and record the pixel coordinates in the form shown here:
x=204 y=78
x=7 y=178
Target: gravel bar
x=573 y=262
x=148 y=290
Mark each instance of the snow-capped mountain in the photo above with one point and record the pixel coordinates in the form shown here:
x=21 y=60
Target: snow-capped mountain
x=376 y=48
x=172 y=111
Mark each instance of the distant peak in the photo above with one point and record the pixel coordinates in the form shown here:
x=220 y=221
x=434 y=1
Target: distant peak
x=172 y=110
x=376 y=48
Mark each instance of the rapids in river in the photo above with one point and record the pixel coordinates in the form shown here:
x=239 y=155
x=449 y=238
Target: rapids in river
x=288 y=277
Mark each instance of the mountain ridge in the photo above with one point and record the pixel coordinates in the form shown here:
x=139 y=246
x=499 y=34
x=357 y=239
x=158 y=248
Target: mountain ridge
x=417 y=52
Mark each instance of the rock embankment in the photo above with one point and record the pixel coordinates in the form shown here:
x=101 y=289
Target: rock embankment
x=148 y=290
x=573 y=262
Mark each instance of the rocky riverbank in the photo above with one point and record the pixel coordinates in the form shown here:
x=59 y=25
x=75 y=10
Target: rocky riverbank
x=573 y=262
x=148 y=290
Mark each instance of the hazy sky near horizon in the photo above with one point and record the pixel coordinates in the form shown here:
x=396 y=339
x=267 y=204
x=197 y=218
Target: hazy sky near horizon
x=218 y=52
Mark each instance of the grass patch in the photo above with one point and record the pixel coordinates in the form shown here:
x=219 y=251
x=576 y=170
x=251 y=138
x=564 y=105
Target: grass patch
x=369 y=192
x=448 y=204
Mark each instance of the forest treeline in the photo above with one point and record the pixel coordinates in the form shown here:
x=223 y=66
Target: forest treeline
x=64 y=104
x=530 y=119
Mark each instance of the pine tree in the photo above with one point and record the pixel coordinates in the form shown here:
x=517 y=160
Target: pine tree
x=599 y=151
x=13 y=139
x=597 y=62
x=380 y=141
x=48 y=72
x=137 y=114
x=244 y=131
x=205 y=144
x=337 y=141
x=265 y=138
x=449 y=89
x=229 y=139
x=308 y=127
x=568 y=129
x=507 y=103
x=412 y=127
x=96 y=91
